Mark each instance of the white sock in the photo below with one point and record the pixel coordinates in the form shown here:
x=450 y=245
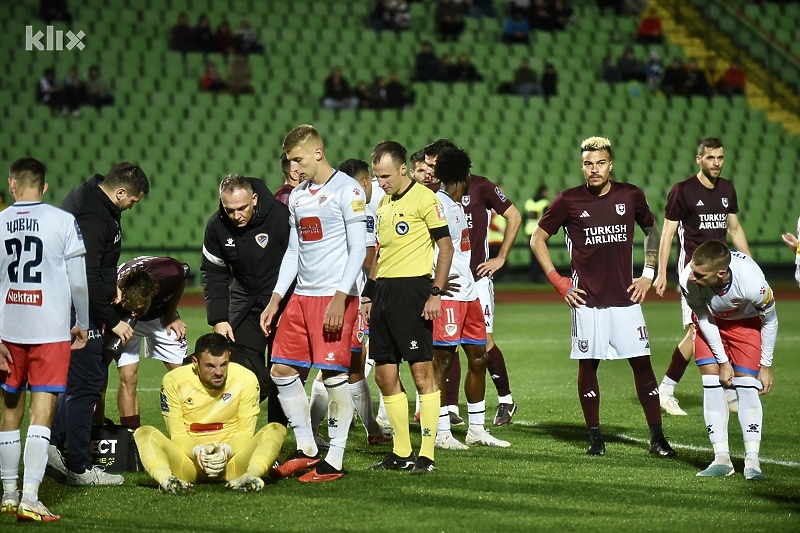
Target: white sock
x=368 y=364
x=476 y=412
x=416 y=404
x=443 y=429
x=10 y=450
x=750 y=413
x=319 y=404
x=715 y=412
x=505 y=399
x=340 y=413
x=362 y=400
x=667 y=387
x=35 y=460
x=293 y=399
x=382 y=409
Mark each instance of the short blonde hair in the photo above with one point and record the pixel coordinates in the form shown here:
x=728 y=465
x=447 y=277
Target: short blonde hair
x=596 y=144
x=301 y=135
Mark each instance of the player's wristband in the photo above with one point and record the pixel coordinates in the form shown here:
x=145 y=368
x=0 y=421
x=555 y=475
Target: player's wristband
x=562 y=285
x=369 y=288
x=648 y=272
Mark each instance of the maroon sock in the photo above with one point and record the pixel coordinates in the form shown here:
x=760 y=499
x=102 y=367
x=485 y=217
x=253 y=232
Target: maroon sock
x=454 y=380
x=496 y=365
x=646 y=388
x=131 y=422
x=589 y=391
x=677 y=366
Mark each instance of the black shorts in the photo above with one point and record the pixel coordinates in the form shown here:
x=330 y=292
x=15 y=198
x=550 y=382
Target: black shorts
x=397 y=331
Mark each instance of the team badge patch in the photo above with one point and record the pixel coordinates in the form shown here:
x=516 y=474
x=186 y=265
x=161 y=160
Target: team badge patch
x=583 y=345
x=164 y=404
x=450 y=329
x=262 y=239
x=78 y=230
x=357 y=206
x=724 y=202
x=620 y=209
x=465 y=200
x=370 y=224
x=360 y=336
x=322 y=200
x=736 y=301
x=500 y=194
x=440 y=212
x=226 y=397
x=401 y=228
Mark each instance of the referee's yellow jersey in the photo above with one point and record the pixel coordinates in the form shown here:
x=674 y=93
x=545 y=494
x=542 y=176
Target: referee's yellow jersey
x=404 y=224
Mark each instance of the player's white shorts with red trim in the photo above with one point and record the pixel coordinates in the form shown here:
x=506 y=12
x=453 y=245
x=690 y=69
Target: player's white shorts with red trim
x=301 y=339
x=43 y=367
x=609 y=333
x=741 y=340
x=459 y=323
x=686 y=313
x=485 y=288
x=158 y=344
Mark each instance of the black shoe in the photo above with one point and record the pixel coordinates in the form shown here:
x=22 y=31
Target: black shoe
x=504 y=413
x=394 y=462
x=455 y=420
x=662 y=448
x=423 y=466
x=597 y=446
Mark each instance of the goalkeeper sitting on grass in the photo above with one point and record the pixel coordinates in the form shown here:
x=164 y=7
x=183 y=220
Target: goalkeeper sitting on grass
x=210 y=409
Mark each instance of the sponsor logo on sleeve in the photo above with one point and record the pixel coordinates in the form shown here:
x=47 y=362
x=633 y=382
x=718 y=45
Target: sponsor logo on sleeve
x=500 y=194
x=78 y=231
x=357 y=206
x=370 y=224
x=440 y=212
x=164 y=404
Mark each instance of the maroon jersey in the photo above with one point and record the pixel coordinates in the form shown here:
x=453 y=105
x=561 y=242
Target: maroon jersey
x=482 y=196
x=599 y=233
x=282 y=194
x=169 y=273
x=701 y=213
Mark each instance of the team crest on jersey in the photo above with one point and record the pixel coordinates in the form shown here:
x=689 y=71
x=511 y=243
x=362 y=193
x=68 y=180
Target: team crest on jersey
x=465 y=200
x=500 y=194
x=229 y=242
x=735 y=301
x=226 y=397
x=322 y=200
x=401 y=228
x=620 y=209
x=724 y=202
x=450 y=329
x=370 y=224
x=360 y=336
x=440 y=212
x=262 y=239
x=583 y=345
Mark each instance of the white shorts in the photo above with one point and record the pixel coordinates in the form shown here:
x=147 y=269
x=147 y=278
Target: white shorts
x=609 y=333
x=158 y=345
x=485 y=288
x=686 y=312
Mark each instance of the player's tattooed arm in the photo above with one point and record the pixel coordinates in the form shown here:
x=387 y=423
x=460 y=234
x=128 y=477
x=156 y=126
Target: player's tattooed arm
x=652 y=240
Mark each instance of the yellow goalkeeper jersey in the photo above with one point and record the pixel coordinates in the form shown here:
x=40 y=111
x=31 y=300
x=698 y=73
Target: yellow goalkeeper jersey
x=207 y=415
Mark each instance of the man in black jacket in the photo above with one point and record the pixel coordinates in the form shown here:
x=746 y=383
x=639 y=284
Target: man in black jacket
x=97 y=205
x=243 y=248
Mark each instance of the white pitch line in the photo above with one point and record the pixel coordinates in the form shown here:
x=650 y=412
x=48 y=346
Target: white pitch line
x=628 y=438
x=566 y=340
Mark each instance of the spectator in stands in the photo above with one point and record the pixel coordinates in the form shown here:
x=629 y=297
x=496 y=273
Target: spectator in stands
x=516 y=29
x=402 y=17
x=362 y=94
x=696 y=84
x=713 y=75
x=397 y=93
x=48 y=92
x=447 y=70
x=74 y=90
x=97 y=90
x=561 y=13
x=608 y=71
x=426 y=65
x=378 y=96
x=629 y=68
x=465 y=70
x=449 y=20
x=383 y=15
x=225 y=39
x=654 y=71
x=182 y=37
x=239 y=75
x=549 y=81
x=674 y=80
x=338 y=94
x=202 y=38
x=212 y=81
x=540 y=16
x=526 y=80
x=247 y=39
x=733 y=81
x=481 y=8
x=650 y=30
x=50 y=10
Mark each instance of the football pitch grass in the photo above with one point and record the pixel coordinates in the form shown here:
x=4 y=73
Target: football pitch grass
x=543 y=482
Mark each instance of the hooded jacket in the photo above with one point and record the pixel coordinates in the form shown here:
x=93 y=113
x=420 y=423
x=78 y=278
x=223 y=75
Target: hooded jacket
x=99 y=222
x=240 y=265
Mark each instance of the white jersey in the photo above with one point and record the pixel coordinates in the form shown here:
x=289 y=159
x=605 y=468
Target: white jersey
x=377 y=195
x=38 y=239
x=459 y=233
x=748 y=294
x=371 y=218
x=320 y=215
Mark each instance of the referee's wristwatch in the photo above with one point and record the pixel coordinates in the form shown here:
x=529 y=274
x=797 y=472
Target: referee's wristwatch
x=435 y=291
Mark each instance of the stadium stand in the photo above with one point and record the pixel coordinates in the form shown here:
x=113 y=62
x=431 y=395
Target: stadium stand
x=187 y=141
